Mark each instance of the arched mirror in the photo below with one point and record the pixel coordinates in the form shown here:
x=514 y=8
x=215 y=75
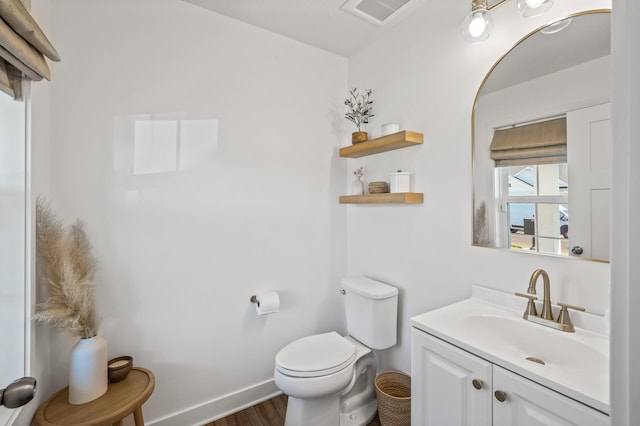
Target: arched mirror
x=542 y=143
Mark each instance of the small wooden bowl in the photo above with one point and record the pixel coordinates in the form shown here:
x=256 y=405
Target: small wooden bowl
x=119 y=368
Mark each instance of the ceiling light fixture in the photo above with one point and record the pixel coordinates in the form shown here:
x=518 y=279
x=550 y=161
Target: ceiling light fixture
x=529 y=8
x=477 y=25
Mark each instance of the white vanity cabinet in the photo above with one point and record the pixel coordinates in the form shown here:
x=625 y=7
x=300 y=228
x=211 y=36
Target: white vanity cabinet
x=451 y=387
x=442 y=384
x=528 y=403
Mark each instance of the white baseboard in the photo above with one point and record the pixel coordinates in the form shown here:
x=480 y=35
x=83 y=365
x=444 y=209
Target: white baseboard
x=220 y=407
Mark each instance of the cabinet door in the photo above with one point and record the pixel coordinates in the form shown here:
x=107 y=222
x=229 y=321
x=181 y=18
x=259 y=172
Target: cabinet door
x=442 y=387
x=530 y=404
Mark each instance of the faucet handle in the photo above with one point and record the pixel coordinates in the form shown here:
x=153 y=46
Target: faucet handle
x=527 y=296
x=563 y=316
x=531 y=306
x=565 y=306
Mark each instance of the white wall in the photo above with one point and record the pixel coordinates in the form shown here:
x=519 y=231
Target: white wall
x=625 y=295
x=426 y=77
x=181 y=251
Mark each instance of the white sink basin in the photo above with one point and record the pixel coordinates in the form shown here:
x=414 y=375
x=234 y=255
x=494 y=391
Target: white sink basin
x=575 y=364
x=562 y=354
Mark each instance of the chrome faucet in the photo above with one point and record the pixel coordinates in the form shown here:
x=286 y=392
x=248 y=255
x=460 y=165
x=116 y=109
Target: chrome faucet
x=546 y=313
x=546 y=316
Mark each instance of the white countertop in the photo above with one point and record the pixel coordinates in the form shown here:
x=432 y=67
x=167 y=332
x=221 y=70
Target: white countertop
x=490 y=325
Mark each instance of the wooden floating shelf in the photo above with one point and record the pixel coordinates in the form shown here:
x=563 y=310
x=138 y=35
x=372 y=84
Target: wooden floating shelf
x=395 y=198
x=390 y=142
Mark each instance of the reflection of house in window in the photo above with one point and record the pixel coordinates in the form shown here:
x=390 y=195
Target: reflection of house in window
x=536 y=204
x=522 y=180
x=165 y=146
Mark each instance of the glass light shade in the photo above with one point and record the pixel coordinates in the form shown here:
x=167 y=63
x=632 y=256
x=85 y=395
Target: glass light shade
x=529 y=8
x=477 y=25
x=556 y=27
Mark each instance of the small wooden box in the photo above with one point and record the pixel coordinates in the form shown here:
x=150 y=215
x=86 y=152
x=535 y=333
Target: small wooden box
x=378 y=187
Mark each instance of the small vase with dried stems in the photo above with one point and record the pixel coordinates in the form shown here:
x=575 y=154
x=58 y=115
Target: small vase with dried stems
x=68 y=268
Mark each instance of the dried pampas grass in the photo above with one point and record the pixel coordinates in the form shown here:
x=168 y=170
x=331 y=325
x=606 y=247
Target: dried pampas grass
x=480 y=225
x=68 y=267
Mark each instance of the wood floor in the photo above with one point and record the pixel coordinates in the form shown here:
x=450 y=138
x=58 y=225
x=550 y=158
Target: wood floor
x=268 y=413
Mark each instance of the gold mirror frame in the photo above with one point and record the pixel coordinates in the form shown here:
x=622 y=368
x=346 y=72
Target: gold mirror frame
x=473 y=133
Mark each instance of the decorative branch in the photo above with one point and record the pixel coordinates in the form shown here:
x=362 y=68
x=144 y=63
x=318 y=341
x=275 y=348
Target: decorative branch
x=480 y=225
x=360 y=107
x=68 y=267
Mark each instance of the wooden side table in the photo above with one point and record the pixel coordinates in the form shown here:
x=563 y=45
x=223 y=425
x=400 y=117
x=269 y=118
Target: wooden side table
x=120 y=400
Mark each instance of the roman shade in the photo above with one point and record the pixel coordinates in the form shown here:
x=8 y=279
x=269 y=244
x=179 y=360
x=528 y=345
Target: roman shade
x=23 y=47
x=544 y=142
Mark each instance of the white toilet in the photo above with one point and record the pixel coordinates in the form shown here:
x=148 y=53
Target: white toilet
x=329 y=378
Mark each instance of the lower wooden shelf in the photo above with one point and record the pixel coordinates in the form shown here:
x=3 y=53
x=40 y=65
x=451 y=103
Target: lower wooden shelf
x=395 y=198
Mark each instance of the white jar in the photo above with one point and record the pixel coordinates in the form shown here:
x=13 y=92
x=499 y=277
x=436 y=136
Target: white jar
x=400 y=181
x=389 y=128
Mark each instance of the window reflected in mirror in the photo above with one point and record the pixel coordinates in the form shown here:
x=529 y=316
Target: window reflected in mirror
x=534 y=200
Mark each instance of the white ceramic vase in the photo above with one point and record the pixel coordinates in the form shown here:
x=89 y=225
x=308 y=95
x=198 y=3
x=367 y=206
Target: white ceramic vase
x=88 y=374
x=357 y=187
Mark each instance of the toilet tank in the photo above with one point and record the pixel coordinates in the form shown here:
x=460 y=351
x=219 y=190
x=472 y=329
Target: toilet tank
x=372 y=311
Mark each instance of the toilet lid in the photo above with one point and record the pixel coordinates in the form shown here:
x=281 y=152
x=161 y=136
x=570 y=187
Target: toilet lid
x=317 y=355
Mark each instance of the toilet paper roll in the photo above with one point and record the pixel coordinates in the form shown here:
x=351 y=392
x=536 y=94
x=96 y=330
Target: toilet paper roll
x=267 y=303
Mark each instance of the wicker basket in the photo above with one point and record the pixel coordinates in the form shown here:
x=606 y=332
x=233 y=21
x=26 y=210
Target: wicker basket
x=393 y=390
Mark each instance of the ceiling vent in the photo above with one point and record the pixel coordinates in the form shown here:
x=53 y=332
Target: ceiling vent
x=377 y=12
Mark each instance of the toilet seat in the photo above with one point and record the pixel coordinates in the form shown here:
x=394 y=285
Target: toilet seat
x=315 y=356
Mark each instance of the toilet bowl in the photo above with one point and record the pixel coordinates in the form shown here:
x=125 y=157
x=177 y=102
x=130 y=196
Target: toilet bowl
x=330 y=378
x=329 y=381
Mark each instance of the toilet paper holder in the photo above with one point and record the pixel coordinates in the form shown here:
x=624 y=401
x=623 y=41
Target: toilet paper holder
x=266 y=303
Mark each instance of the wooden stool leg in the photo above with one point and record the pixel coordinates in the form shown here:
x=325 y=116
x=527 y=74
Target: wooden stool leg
x=137 y=416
